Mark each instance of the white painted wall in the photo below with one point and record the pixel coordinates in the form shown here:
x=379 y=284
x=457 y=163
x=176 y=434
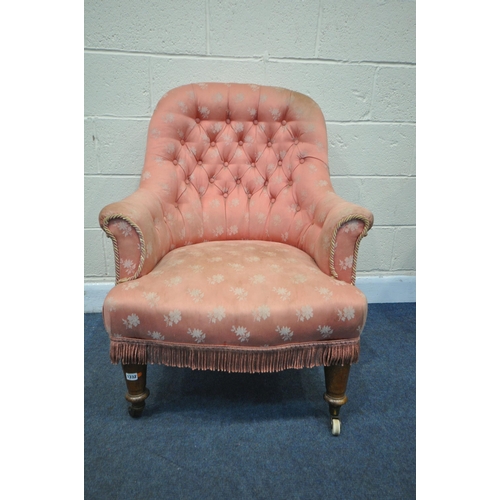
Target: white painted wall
x=356 y=58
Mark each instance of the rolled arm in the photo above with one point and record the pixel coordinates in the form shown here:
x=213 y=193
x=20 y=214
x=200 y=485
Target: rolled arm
x=344 y=226
x=139 y=235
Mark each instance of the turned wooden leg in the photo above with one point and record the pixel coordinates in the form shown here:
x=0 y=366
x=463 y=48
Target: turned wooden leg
x=336 y=377
x=135 y=377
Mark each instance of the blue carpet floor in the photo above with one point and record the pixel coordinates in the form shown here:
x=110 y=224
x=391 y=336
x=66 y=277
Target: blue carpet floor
x=210 y=435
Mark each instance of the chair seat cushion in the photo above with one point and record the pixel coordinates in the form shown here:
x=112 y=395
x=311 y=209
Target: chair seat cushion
x=235 y=293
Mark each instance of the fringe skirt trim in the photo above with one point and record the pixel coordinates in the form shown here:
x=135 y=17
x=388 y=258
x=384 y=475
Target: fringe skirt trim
x=236 y=359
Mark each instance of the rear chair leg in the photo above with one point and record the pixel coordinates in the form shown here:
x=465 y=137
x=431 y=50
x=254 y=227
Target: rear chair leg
x=135 y=377
x=336 y=377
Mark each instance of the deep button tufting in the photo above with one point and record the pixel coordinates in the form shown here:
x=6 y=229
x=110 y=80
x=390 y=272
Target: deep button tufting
x=249 y=195
x=226 y=164
x=228 y=121
x=212 y=179
x=253 y=164
x=280 y=163
x=225 y=195
x=238 y=181
x=290 y=182
x=266 y=183
x=273 y=200
x=182 y=142
x=296 y=141
x=200 y=162
x=212 y=144
x=269 y=144
x=302 y=160
x=187 y=181
x=256 y=122
x=175 y=162
x=297 y=209
x=240 y=143
x=283 y=123
x=197 y=120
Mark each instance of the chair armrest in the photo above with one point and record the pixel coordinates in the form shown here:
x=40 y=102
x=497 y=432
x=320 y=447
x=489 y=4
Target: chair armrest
x=336 y=248
x=139 y=234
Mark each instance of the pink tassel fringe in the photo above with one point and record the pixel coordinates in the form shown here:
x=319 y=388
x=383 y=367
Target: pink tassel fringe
x=235 y=359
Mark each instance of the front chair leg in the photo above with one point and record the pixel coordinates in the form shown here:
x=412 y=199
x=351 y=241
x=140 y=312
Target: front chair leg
x=336 y=377
x=135 y=377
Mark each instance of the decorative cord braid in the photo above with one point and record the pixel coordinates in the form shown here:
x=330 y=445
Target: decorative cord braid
x=367 y=226
x=109 y=234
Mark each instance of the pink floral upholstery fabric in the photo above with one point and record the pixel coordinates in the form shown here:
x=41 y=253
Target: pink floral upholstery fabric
x=235 y=235
x=236 y=293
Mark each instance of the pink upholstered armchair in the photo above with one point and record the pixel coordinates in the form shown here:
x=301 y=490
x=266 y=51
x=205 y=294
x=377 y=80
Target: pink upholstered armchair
x=235 y=253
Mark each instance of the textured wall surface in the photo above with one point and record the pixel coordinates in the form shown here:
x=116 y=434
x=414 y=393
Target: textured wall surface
x=355 y=58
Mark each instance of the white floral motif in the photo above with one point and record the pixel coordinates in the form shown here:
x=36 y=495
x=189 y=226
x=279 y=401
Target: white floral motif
x=253 y=258
x=204 y=111
x=241 y=293
x=299 y=278
x=232 y=230
x=128 y=265
x=111 y=304
x=257 y=279
x=262 y=312
x=196 y=268
x=218 y=314
x=276 y=113
x=285 y=332
x=305 y=312
x=261 y=218
x=215 y=259
x=197 y=335
x=215 y=279
x=228 y=139
x=173 y=317
x=236 y=267
x=351 y=226
x=152 y=298
x=130 y=285
x=183 y=106
x=283 y=293
x=124 y=227
x=347 y=263
x=156 y=335
x=325 y=331
x=238 y=127
x=216 y=127
x=196 y=294
x=346 y=313
x=276 y=268
x=324 y=292
x=131 y=321
x=173 y=281
x=241 y=332
x=218 y=230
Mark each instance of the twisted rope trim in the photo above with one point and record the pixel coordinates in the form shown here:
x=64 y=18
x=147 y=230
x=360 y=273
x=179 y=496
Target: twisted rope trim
x=367 y=226
x=109 y=234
